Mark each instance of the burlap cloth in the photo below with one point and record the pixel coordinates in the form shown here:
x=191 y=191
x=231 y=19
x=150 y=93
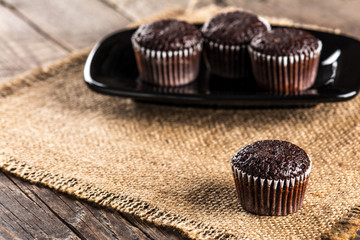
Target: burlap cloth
x=170 y=165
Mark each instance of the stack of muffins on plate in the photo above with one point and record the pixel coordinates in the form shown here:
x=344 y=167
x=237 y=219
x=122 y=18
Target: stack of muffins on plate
x=234 y=45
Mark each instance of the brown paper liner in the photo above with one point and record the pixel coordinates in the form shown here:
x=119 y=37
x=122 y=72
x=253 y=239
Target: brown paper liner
x=168 y=68
x=270 y=197
x=229 y=61
x=285 y=74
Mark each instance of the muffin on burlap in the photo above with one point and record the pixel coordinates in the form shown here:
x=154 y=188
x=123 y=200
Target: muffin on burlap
x=271 y=177
x=168 y=52
x=285 y=60
x=226 y=38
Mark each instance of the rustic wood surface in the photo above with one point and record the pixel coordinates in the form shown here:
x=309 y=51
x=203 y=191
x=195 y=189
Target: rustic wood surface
x=29 y=211
x=37 y=32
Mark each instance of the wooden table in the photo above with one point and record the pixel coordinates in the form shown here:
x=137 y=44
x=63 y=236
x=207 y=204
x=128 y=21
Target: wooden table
x=37 y=32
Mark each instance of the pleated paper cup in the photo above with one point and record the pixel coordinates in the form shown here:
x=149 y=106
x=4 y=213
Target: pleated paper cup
x=285 y=74
x=270 y=197
x=168 y=68
x=229 y=61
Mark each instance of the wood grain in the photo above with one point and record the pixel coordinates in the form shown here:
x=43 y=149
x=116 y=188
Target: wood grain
x=23 y=48
x=342 y=14
x=24 y=217
x=139 y=9
x=75 y=24
x=29 y=211
x=87 y=221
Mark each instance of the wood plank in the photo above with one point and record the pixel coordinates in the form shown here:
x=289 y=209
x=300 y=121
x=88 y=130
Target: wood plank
x=117 y=224
x=142 y=8
x=331 y=13
x=75 y=24
x=24 y=218
x=21 y=47
x=153 y=232
x=85 y=220
x=90 y=222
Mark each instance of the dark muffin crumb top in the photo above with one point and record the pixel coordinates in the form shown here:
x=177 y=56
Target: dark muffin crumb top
x=284 y=42
x=167 y=35
x=272 y=159
x=233 y=28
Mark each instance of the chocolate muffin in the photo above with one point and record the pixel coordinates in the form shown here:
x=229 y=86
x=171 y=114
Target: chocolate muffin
x=226 y=38
x=285 y=60
x=167 y=52
x=271 y=177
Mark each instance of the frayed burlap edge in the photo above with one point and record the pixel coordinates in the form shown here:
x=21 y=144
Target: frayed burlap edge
x=121 y=203
x=344 y=229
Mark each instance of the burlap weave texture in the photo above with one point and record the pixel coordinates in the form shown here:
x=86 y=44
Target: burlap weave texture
x=170 y=165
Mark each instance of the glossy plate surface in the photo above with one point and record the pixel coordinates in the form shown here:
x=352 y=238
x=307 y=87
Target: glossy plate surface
x=111 y=69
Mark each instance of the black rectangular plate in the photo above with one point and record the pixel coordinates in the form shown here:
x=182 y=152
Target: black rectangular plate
x=111 y=69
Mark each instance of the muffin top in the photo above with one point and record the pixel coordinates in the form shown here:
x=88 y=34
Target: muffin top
x=233 y=28
x=272 y=159
x=284 y=42
x=167 y=35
